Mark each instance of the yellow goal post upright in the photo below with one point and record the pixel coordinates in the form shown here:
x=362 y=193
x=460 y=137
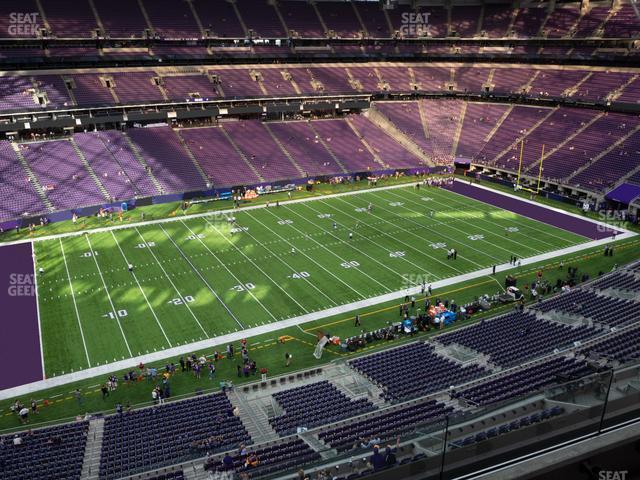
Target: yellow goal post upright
x=520 y=187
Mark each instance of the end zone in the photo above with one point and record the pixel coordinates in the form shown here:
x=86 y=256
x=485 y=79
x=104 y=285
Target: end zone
x=20 y=344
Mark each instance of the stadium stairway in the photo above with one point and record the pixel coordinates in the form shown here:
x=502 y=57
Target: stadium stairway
x=145 y=15
x=571 y=91
x=603 y=153
x=284 y=150
x=254 y=420
x=354 y=82
x=324 y=144
x=240 y=19
x=386 y=125
x=99 y=23
x=194 y=160
x=542 y=29
x=32 y=177
x=140 y=158
x=241 y=153
x=422 y=109
x=43 y=15
x=388 y=20
x=626 y=177
x=281 y=18
x=316 y=444
x=194 y=12
x=322 y=22
x=93 y=450
x=498 y=124
x=512 y=20
x=512 y=145
x=480 y=21
x=534 y=167
x=363 y=27
x=90 y=170
x=613 y=96
x=456 y=137
x=371 y=150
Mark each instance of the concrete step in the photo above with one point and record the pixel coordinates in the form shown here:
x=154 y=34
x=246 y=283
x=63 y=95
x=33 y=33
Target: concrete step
x=93 y=450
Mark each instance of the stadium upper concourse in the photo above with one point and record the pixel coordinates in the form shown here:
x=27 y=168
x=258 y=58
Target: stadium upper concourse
x=319 y=239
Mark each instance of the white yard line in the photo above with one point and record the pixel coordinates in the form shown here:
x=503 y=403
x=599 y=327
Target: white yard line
x=307 y=256
x=179 y=218
x=106 y=290
x=343 y=260
x=144 y=295
x=290 y=322
x=75 y=305
x=234 y=211
x=466 y=222
x=279 y=258
x=35 y=283
x=240 y=282
x=204 y=280
x=492 y=208
x=438 y=233
x=397 y=239
x=184 y=302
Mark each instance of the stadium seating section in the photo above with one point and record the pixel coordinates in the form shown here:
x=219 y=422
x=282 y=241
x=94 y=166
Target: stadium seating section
x=260 y=18
x=586 y=148
x=162 y=435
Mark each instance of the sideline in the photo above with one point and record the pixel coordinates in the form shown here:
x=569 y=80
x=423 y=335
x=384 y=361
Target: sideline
x=106 y=369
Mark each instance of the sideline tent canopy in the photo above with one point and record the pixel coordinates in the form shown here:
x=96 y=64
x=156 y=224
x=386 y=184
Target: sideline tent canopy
x=624 y=193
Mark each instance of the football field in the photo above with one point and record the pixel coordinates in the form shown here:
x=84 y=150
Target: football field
x=195 y=278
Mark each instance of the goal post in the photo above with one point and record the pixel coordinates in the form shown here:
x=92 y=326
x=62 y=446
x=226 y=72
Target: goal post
x=518 y=186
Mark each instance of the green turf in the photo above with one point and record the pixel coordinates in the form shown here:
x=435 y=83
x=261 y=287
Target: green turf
x=195 y=279
x=270 y=354
x=171 y=209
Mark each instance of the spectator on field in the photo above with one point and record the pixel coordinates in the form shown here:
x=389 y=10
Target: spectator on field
x=24 y=415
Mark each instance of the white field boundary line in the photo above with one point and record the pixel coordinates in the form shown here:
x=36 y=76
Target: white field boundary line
x=519 y=222
x=40 y=341
x=178 y=218
x=541 y=205
x=471 y=221
x=212 y=213
x=290 y=322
